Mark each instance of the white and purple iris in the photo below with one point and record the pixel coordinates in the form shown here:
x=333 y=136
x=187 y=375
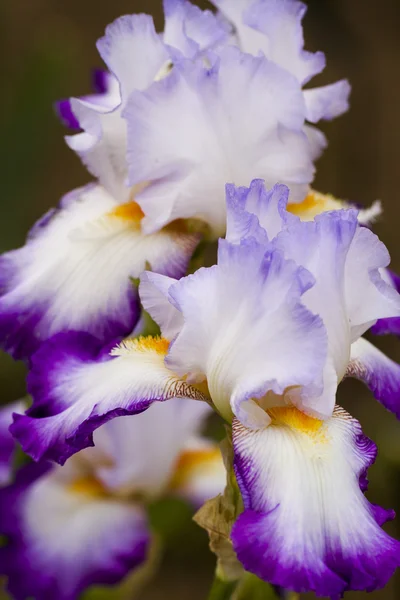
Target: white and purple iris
x=85 y=523
x=265 y=336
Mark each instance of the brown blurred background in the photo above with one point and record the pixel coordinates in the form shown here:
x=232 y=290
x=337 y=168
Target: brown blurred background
x=48 y=49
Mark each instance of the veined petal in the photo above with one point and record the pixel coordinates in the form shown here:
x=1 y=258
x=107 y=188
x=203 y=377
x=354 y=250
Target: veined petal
x=245 y=329
x=155 y=299
x=65 y=536
x=194 y=118
x=143 y=450
x=200 y=472
x=190 y=29
x=307 y=525
x=378 y=372
x=316 y=203
x=327 y=102
x=76 y=387
x=7 y=442
x=74 y=272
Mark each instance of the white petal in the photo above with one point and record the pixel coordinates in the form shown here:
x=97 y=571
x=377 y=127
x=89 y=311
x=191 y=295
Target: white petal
x=67 y=534
x=77 y=386
x=188 y=135
x=145 y=448
x=307 y=525
x=368 y=296
x=133 y=51
x=245 y=329
x=200 y=472
x=75 y=273
x=155 y=299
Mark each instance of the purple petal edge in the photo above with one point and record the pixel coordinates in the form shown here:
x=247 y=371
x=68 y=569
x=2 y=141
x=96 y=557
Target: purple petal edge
x=64 y=112
x=390 y=325
x=34 y=429
x=17 y=559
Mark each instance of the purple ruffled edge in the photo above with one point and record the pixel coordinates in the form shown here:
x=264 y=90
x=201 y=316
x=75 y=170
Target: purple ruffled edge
x=340 y=574
x=17 y=564
x=390 y=325
x=63 y=107
x=33 y=429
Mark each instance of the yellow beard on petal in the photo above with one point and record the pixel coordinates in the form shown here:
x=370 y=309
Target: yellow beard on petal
x=314 y=204
x=146 y=343
x=293 y=418
x=88 y=486
x=130 y=211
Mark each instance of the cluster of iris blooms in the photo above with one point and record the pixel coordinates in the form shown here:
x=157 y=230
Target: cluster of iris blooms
x=203 y=132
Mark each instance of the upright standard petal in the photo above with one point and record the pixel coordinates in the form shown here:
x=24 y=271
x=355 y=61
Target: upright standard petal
x=307 y=525
x=348 y=294
x=7 y=442
x=188 y=134
x=191 y=30
x=74 y=272
x=378 y=372
x=246 y=331
x=133 y=52
x=66 y=534
x=77 y=386
x=256 y=211
x=283 y=43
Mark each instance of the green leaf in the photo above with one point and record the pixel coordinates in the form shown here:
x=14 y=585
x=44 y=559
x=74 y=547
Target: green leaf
x=252 y=588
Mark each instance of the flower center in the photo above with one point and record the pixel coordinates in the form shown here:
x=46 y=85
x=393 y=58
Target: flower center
x=130 y=211
x=88 y=486
x=294 y=418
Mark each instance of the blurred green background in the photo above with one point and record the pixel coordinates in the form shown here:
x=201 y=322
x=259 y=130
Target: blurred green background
x=48 y=50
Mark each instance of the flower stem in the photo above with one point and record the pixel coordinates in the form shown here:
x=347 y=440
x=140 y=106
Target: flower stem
x=221 y=590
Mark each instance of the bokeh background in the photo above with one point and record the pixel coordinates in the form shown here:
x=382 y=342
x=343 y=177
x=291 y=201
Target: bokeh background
x=48 y=50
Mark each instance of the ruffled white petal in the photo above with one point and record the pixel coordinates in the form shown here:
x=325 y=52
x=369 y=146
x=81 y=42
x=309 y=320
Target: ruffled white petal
x=75 y=273
x=133 y=52
x=307 y=524
x=245 y=329
x=190 y=30
x=195 y=118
